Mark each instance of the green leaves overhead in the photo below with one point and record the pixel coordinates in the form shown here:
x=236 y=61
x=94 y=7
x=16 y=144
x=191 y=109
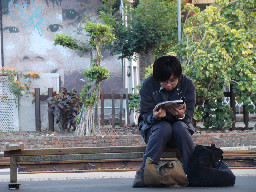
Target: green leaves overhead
x=149 y=24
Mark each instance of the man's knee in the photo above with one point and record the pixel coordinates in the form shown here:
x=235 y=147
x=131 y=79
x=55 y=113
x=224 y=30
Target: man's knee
x=162 y=129
x=180 y=128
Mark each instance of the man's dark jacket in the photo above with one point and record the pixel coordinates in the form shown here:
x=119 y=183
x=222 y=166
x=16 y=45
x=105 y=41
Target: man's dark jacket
x=151 y=94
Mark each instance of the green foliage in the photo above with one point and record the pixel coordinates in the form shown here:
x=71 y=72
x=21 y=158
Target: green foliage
x=149 y=24
x=218 y=48
x=96 y=73
x=65 y=107
x=134 y=101
x=89 y=97
x=148 y=71
x=69 y=42
x=99 y=34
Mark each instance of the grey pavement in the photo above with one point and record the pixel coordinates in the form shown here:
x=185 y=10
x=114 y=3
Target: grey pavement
x=111 y=181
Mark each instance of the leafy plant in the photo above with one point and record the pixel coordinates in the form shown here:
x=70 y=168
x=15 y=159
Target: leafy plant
x=218 y=49
x=65 y=106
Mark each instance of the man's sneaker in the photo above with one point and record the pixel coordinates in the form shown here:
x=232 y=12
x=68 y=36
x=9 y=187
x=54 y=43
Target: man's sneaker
x=139 y=179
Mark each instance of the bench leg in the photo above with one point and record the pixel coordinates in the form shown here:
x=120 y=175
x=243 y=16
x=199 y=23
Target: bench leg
x=13 y=173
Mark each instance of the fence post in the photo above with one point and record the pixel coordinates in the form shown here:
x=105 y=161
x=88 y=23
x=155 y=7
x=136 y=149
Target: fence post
x=127 y=106
x=121 y=108
x=37 y=109
x=113 y=109
x=96 y=116
x=246 y=117
x=102 y=106
x=50 y=115
x=233 y=105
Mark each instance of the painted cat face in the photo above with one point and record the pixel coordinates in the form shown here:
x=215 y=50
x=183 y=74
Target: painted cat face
x=20 y=9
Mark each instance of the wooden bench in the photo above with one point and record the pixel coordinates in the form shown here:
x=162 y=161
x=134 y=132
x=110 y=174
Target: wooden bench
x=19 y=155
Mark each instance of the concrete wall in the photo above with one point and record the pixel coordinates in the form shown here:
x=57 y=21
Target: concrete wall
x=29 y=27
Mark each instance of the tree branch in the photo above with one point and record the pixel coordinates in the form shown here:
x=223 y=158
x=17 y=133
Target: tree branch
x=196 y=48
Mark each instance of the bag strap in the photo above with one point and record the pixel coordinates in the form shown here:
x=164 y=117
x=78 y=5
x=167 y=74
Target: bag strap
x=217 y=156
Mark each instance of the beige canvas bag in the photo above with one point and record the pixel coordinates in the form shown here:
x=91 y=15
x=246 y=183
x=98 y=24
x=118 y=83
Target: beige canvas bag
x=164 y=174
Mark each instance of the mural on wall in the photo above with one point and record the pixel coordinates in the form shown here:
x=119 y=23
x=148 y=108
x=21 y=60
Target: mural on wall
x=29 y=27
x=19 y=11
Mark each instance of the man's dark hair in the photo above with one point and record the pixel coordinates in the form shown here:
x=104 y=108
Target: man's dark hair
x=165 y=66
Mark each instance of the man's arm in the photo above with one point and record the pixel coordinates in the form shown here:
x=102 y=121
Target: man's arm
x=147 y=103
x=190 y=97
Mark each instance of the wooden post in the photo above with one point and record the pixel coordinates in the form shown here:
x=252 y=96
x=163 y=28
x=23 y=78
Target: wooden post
x=127 y=106
x=96 y=115
x=233 y=105
x=121 y=108
x=50 y=115
x=37 y=109
x=113 y=109
x=13 y=169
x=102 y=106
x=246 y=117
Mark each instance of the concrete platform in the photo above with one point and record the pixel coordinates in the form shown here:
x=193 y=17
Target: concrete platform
x=111 y=182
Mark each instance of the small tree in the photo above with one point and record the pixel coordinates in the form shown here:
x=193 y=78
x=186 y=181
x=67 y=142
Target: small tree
x=148 y=28
x=100 y=35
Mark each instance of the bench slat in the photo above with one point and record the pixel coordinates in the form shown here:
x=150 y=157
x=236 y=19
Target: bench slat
x=87 y=150
x=98 y=156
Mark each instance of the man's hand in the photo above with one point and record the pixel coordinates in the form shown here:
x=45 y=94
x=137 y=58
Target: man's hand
x=178 y=112
x=158 y=113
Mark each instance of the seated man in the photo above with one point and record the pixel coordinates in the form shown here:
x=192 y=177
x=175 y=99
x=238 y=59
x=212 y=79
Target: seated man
x=166 y=127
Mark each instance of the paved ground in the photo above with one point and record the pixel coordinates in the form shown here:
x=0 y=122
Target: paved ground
x=111 y=182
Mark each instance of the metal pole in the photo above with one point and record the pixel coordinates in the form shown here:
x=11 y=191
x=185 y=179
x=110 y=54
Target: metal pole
x=179 y=25
x=179 y=19
x=1 y=33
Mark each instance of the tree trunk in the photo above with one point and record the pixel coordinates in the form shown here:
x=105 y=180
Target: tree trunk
x=145 y=60
x=86 y=124
x=149 y=55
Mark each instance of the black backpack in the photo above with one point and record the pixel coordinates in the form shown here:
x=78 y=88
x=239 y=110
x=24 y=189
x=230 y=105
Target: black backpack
x=206 y=168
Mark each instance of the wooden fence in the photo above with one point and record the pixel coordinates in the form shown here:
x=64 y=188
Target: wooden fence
x=121 y=97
